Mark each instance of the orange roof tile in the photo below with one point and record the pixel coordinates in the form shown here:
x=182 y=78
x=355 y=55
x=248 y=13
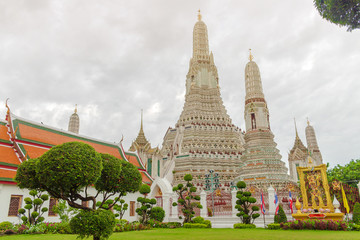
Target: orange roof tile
x=7 y=173
x=33 y=140
x=3 y=133
x=145 y=178
x=54 y=138
x=133 y=160
x=7 y=155
x=34 y=152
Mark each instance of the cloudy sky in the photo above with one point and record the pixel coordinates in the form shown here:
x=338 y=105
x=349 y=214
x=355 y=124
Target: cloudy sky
x=114 y=58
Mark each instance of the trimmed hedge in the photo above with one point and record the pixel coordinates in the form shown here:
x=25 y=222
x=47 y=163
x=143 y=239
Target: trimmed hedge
x=243 y=225
x=273 y=226
x=194 y=225
x=355 y=227
x=202 y=221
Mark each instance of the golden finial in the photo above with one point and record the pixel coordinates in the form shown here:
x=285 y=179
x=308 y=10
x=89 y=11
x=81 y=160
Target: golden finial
x=251 y=57
x=75 y=111
x=199 y=15
x=308 y=123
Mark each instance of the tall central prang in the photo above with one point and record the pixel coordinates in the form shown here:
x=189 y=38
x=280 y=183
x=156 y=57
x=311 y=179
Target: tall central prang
x=204 y=137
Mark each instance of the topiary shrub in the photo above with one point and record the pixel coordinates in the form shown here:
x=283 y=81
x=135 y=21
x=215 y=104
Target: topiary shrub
x=356 y=213
x=157 y=213
x=243 y=225
x=99 y=224
x=5 y=226
x=33 y=210
x=273 y=226
x=188 y=198
x=146 y=204
x=194 y=225
x=281 y=216
x=246 y=212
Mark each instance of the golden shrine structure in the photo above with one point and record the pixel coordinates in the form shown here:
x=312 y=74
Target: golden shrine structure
x=317 y=203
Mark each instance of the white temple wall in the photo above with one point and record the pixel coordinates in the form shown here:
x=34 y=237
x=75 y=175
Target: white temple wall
x=6 y=191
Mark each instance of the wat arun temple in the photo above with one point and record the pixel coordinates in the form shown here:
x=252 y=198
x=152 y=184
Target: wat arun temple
x=204 y=137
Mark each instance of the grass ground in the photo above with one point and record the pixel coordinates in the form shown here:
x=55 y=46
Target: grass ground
x=208 y=234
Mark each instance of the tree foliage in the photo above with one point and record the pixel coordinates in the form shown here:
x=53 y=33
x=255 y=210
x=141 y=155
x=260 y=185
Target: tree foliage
x=246 y=212
x=188 y=199
x=33 y=210
x=343 y=13
x=26 y=175
x=349 y=174
x=146 y=204
x=281 y=216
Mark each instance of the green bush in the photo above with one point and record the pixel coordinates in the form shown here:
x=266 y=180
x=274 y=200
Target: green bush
x=157 y=213
x=99 y=224
x=63 y=228
x=356 y=213
x=273 y=226
x=198 y=220
x=207 y=223
x=243 y=225
x=355 y=227
x=5 y=226
x=281 y=216
x=201 y=220
x=194 y=225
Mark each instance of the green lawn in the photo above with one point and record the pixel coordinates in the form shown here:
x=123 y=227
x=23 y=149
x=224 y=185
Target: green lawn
x=209 y=234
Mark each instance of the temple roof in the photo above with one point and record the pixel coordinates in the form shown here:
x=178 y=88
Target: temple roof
x=21 y=139
x=298 y=143
x=140 y=143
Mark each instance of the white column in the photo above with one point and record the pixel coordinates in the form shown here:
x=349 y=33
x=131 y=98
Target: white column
x=233 y=203
x=166 y=206
x=203 y=211
x=271 y=197
x=358 y=185
x=175 y=213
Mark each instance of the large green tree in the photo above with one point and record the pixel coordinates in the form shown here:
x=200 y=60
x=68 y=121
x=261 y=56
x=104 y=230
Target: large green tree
x=349 y=174
x=68 y=170
x=341 y=12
